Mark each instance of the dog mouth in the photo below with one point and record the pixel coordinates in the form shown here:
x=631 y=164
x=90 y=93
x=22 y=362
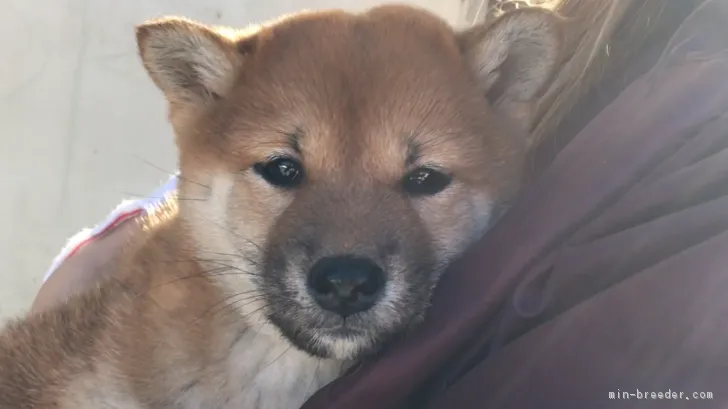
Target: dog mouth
x=344 y=306
x=336 y=337
x=328 y=334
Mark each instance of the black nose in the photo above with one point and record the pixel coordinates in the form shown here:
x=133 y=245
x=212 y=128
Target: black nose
x=345 y=284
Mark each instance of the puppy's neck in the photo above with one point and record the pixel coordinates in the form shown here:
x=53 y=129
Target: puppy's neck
x=267 y=366
x=220 y=356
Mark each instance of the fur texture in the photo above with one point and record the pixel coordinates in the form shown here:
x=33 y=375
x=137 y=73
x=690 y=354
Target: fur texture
x=210 y=306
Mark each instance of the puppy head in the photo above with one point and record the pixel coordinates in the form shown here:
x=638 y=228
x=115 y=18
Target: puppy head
x=333 y=163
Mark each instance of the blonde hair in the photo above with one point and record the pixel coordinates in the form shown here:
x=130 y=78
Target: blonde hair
x=590 y=25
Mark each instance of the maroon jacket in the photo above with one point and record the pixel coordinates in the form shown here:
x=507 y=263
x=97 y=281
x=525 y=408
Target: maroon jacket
x=608 y=275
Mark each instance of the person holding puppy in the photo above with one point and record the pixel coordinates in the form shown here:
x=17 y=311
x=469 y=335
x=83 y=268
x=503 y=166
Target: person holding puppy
x=606 y=274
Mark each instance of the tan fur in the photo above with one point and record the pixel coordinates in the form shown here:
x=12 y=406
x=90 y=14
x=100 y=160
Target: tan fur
x=186 y=320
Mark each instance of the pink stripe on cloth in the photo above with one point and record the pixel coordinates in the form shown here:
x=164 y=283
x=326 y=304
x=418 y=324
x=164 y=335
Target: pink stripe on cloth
x=126 y=210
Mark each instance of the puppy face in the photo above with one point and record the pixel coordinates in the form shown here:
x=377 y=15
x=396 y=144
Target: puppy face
x=332 y=164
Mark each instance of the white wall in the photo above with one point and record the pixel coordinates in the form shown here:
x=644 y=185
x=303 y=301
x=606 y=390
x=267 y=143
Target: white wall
x=81 y=125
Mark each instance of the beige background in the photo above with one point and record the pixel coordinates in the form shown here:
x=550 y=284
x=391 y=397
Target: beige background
x=81 y=126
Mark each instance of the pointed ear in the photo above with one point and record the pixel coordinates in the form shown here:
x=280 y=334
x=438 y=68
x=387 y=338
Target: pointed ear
x=189 y=62
x=513 y=58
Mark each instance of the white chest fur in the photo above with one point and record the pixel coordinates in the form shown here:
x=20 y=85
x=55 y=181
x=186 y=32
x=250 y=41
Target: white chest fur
x=261 y=372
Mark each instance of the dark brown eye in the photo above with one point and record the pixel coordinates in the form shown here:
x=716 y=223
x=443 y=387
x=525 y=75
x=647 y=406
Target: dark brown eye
x=285 y=173
x=425 y=182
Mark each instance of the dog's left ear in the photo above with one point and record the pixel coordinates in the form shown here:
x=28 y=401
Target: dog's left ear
x=190 y=62
x=513 y=57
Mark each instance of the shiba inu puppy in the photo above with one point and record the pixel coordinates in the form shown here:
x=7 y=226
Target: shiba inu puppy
x=332 y=164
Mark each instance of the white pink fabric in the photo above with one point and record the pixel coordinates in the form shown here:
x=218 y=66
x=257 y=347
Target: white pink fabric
x=124 y=211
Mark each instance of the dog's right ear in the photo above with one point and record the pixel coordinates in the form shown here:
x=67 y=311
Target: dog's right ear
x=190 y=62
x=513 y=58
